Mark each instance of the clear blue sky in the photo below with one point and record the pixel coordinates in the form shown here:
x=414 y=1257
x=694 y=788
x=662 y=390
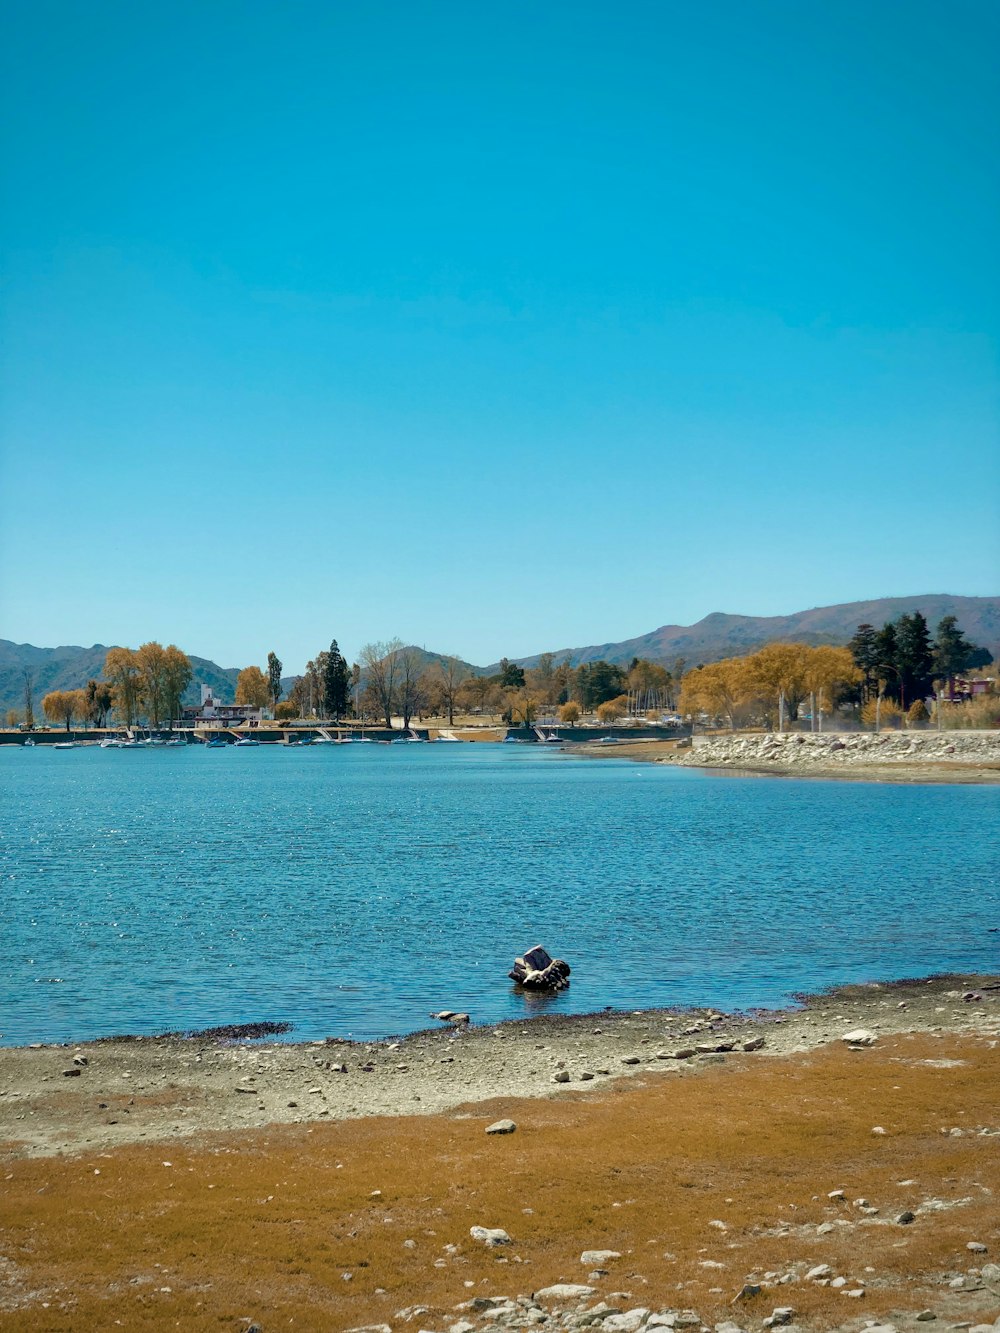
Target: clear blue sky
x=495 y=327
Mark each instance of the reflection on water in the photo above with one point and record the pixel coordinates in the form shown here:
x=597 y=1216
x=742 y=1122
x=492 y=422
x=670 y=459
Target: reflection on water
x=356 y=889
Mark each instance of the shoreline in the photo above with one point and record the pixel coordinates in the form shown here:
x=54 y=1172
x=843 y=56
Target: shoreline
x=114 y=1091
x=946 y=758
x=811 y=1182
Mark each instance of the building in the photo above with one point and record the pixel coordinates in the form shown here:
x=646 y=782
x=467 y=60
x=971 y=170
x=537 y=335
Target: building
x=212 y=713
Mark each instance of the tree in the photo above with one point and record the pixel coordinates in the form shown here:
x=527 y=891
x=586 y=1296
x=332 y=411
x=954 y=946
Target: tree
x=284 y=712
x=380 y=661
x=409 y=694
x=473 y=692
x=511 y=676
x=99 y=701
x=151 y=661
x=522 y=707
x=915 y=659
x=336 y=683
x=121 y=671
x=953 y=653
x=917 y=712
x=864 y=649
x=29 y=708
x=13 y=717
x=596 y=682
x=252 y=688
x=777 y=672
x=176 y=679
x=887 y=673
x=827 y=671
x=612 y=709
x=569 y=712
x=274 y=678
x=64 y=705
x=444 y=680
x=716 y=689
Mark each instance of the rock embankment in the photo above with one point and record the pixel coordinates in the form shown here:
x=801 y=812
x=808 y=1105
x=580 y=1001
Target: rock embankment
x=846 y=752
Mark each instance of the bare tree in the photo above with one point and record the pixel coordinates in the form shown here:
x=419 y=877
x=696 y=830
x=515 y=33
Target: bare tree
x=380 y=663
x=29 y=707
x=446 y=677
x=410 y=694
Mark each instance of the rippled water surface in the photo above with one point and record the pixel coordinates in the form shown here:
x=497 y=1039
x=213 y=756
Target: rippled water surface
x=353 y=889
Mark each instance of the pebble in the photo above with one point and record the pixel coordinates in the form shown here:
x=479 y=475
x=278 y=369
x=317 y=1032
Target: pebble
x=501 y=1127
x=859 y=1037
x=561 y=1077
x=565 y=1291
x=976 y=1247
x=490 y=1236
x=595 y=1258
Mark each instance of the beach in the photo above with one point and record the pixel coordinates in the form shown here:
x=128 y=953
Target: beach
x=194 y=1182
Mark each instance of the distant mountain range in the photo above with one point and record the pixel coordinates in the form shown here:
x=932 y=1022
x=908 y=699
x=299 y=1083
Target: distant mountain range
x=716 y=636
x=721 y=635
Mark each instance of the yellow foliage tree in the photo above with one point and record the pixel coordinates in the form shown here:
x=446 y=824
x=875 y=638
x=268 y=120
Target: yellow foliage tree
x=121 y=671
x=176 y=678
x=64 y=705
x=612 y=709
x=717 y=689
x=151 y=660
x=253 y=688
x=569 y=712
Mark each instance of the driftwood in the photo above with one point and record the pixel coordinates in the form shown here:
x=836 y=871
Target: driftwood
x=538 y=971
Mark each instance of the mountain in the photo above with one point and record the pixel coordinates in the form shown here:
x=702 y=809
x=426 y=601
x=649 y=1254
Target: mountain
x=70 y=667
x=722 y=635
x=716 y=636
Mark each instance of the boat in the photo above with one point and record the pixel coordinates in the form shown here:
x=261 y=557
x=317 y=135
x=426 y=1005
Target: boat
x=215 y=743
x=175 y=740
x=109 y=743
x=64 y=745
x=246 y=740
x=29 y=744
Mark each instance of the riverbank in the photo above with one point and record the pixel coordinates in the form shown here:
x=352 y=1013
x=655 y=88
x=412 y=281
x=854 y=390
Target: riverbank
x=170 y=1183
x=949 y=756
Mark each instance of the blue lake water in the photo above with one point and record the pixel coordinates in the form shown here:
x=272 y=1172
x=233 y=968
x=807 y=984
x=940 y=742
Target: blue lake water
x=351 y=890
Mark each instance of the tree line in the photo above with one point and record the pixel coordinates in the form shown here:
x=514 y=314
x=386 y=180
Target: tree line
x=146 y=682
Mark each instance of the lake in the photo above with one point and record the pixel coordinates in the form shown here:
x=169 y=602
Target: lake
x=353 y=890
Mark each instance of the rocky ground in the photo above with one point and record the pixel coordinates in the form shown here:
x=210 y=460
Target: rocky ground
x=897 y=756
x=56 y=1099
x=832 y=1167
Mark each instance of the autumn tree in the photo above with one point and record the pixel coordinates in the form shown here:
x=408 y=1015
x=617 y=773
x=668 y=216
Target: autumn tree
x=286 y=711
x=176 y=678
x=472 y=693
x=121 y=671
x=612 y=709
x=827 y=671
x=380 y=662
x=274 y=678
x=13 y=717
x=522 y=707
x=151 y=661
x=777 y=672
x=64 y=705
x=252 y=688
x=569 y=712
x=717 y=689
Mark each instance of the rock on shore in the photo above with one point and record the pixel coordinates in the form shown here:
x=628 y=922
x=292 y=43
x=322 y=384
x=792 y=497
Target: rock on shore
x=844 y=750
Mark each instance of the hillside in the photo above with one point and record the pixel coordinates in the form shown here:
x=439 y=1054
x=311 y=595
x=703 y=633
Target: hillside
x=722 y=635
x=69 y=667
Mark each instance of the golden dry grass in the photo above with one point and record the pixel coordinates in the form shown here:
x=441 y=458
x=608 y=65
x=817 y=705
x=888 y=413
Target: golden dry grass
x=267 y=1224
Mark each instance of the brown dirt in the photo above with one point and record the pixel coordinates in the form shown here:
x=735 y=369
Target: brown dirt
x=265 y=1223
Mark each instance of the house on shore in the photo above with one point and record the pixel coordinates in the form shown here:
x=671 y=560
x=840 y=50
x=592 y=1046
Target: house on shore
x=212 y=713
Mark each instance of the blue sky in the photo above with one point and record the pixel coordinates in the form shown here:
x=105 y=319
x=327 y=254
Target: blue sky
x=496 y=328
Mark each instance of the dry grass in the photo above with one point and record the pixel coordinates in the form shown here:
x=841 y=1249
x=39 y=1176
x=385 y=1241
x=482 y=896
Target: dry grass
x=267 y=1224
